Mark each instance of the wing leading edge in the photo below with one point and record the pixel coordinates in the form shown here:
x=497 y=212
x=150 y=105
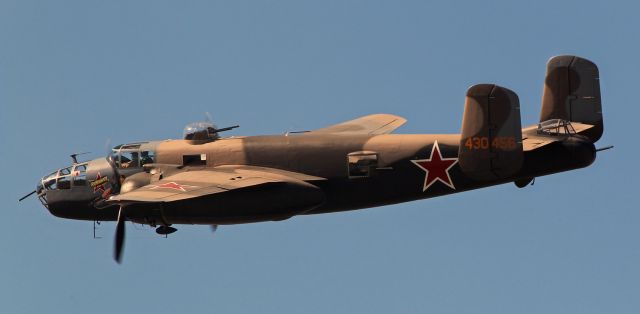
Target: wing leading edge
x=191 y=184
x=374 y=124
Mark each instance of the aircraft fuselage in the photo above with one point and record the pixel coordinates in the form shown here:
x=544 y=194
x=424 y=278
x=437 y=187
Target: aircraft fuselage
x=397 y=168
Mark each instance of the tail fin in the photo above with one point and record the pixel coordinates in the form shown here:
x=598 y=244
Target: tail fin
x=491 y=141
x=572 y=92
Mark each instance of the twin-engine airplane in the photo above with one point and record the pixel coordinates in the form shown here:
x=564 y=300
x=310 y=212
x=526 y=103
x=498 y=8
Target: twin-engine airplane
x=208 y=180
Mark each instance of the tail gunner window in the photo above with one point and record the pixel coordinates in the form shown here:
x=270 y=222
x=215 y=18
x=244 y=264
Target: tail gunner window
x=362 y=164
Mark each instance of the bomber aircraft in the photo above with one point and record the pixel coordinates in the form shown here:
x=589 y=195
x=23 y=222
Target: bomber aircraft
x=206 y=179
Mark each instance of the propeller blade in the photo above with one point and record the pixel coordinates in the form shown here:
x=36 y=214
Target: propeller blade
x=119 y=242
x=214 y=228
x=107 y=146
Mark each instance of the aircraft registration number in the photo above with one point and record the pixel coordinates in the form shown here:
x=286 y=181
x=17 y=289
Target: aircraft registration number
x=482 y=142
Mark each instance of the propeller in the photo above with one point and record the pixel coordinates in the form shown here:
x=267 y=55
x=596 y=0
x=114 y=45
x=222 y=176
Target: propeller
x=214 y=228
x=120 y=231
x=107 y=146
x=208 y=117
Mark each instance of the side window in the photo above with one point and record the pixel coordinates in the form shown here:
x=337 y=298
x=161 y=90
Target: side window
x=194 y=160
x=50 y=181
x=362 y=164
x=129 y=160
x=146 y=158
x=64 y=179
x=80 y=175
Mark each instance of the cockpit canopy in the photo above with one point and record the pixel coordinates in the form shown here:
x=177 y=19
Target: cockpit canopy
x=133 y=155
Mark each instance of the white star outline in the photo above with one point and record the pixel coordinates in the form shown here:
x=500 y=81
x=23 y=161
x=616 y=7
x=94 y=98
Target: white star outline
x=180 y=187
x=426 y=177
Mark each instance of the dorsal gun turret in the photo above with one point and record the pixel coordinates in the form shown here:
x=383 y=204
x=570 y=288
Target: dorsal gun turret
x=203 y=132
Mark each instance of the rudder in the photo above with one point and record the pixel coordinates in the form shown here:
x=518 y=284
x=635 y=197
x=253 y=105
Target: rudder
x=491 y=139
x=572 y=92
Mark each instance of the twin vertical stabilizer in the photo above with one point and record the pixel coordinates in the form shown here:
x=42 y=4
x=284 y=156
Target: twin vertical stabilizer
x=572 y=92
x=491 y=141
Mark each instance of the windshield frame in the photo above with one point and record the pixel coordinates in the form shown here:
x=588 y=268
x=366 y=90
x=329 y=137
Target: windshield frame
x=141 y=153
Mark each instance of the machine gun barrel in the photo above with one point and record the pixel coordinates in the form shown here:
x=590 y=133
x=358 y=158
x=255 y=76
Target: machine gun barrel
x=22 y=198
x=225 y=129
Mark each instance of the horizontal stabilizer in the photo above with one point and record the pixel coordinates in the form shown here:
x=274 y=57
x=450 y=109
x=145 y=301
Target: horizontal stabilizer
x=533 y=139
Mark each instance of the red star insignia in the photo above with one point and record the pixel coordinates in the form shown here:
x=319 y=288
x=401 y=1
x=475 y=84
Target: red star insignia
x=171 y=185
x=99 y=183
x=436 y=168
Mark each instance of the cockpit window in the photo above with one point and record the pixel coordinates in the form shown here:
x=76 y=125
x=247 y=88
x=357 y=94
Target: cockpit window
x=146 y=157
x=134 y=155
x=129 y=159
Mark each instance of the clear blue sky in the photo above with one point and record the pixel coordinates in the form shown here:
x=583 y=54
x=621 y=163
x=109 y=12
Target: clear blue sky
x=76 y=73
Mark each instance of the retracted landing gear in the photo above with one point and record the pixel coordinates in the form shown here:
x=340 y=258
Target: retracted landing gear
x=165 y=230
x=524 y=182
